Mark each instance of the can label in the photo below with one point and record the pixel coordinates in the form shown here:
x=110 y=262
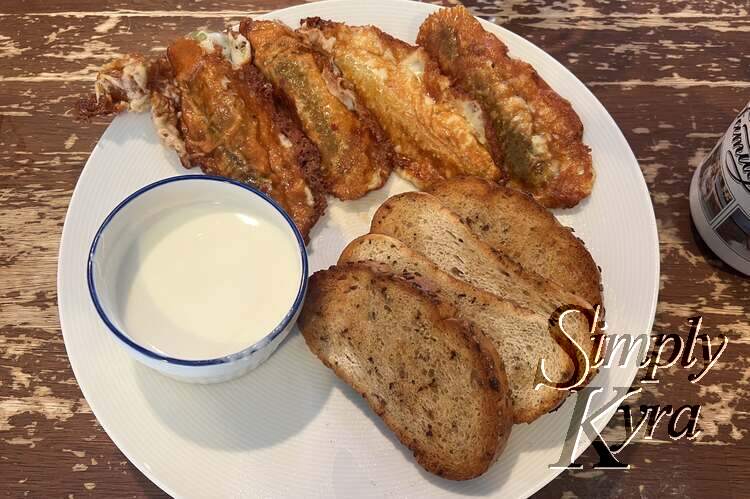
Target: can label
x=724 y=184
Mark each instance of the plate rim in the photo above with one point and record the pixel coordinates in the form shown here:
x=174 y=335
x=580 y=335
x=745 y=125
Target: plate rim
x=429 y=8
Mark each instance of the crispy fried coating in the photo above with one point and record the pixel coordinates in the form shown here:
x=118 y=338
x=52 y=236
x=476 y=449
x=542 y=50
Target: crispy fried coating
x=135 y=83
x=233 y=128
x=531 y=130
x=121 y=85
x=431 y=128
x=355 y=156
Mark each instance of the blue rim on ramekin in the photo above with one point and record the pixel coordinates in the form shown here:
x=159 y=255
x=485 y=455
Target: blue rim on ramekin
x=207 y=362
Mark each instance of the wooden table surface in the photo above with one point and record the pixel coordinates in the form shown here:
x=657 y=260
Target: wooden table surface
x=673 y=74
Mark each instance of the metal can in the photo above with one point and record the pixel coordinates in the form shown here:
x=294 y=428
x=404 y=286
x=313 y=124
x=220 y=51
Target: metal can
x=720 y=195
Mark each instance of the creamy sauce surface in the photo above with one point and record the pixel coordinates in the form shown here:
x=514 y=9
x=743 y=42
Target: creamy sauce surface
x=205 y=281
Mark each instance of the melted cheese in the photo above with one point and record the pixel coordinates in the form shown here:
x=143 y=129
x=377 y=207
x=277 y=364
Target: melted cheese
x=335 y=87
x=168 y=133
x=316 y=37
x=234 y=47
x=309 y=198
x=128 y=75
x=474 y=115
x=539 y=145
x=284 y=141
x=415 y=63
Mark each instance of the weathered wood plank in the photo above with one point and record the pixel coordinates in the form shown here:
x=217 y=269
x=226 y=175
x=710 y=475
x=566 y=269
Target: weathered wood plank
x=672 y=56
x=583 y=9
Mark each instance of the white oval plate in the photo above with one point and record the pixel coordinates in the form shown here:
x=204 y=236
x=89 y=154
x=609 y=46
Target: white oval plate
x=290 y=428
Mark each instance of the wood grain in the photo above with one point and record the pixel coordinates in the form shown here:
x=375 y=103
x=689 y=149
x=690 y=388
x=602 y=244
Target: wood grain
x=673 y=74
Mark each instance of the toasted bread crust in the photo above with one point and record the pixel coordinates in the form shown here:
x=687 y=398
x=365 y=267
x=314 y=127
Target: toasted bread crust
x=522 y=337
x=398 y=213
x=423 y=223
x=345 y=284
x=512 y=223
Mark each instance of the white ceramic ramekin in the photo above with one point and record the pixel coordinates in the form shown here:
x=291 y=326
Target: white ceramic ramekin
x=120 y=226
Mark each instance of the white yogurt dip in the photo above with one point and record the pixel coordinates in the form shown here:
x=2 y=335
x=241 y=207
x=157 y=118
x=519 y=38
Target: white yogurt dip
x=203 y=281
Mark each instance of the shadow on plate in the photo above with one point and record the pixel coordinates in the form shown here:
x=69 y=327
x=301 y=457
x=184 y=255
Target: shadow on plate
x=484 y=485
x=266 y=406
x=138 y=129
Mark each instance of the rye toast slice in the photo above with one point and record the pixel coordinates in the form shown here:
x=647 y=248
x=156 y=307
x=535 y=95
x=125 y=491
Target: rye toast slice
x=512 y=223
x=436 y=381
x=424 y=224
x=522 y=337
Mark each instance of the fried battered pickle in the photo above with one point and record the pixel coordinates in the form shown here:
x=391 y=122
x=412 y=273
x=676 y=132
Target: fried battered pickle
x=531 y=130
x=232 y=128
x=431 y=128
x=355 y=156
